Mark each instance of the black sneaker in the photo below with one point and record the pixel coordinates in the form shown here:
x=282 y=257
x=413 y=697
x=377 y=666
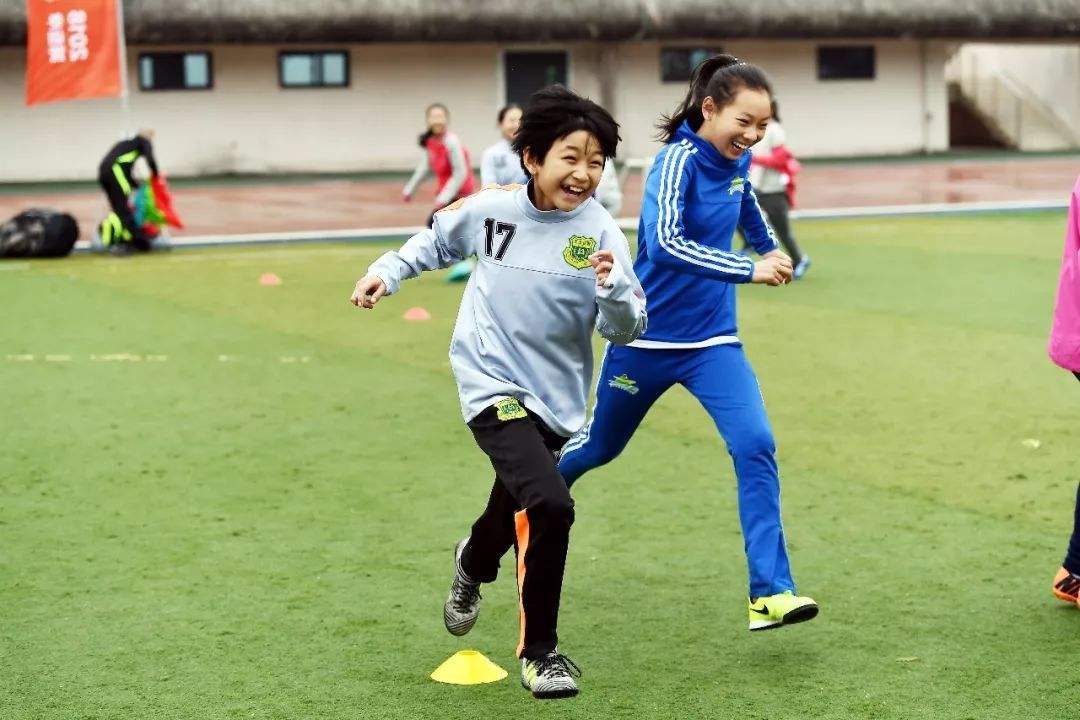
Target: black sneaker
x=463 y=605
x=550 y=677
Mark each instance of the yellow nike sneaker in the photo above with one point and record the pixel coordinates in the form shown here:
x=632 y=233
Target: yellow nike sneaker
x=786 y=608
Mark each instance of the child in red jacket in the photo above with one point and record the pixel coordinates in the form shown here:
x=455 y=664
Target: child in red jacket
x=772 y=175
x=446 y=157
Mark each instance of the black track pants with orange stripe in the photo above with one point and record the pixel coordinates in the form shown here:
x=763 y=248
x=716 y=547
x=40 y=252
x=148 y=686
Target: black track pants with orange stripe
x=530 y=509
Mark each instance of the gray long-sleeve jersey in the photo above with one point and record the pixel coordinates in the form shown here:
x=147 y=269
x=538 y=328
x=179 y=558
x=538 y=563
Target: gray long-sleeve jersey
x=501 y=165
x=526 y=320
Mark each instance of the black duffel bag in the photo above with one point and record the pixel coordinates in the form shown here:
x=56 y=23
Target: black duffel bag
x=38 y=232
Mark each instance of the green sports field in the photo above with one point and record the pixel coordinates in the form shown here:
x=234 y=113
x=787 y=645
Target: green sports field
x=220 y=499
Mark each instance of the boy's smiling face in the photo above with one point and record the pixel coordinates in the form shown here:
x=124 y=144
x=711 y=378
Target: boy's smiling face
x=568 y=174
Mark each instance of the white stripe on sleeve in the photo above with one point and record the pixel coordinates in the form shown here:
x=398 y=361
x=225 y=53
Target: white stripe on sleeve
x=676 y=244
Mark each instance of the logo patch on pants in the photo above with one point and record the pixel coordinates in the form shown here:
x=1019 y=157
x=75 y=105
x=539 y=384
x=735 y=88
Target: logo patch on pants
x=623 y=382
x=509 y=409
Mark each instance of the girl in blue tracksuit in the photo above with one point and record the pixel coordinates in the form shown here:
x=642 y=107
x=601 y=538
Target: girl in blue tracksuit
x=696 y=194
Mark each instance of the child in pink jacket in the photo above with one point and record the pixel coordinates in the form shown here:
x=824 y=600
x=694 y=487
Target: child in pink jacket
x=1064 y=350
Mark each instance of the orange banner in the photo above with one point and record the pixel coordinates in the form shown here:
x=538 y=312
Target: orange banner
x=72 y=50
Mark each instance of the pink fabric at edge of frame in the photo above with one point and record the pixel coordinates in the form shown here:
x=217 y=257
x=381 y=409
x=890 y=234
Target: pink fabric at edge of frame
x=1064 y=346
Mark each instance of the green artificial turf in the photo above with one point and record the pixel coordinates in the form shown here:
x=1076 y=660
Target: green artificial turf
x=254 y=519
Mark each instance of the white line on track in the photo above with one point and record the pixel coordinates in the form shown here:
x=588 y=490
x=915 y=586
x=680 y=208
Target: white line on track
x=146 y=358
x=128 y=357
x=349 y=235
x=902 y=210
x=932 y=209
x=393 y=234
x=258 y=255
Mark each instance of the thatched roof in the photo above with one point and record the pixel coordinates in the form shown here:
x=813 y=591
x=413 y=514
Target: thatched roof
x=305 y=21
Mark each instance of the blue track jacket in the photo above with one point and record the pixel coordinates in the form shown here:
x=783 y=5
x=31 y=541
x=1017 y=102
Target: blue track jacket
x=694 y=200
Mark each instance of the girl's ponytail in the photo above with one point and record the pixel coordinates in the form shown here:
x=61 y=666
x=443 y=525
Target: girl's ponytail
x=719 y=77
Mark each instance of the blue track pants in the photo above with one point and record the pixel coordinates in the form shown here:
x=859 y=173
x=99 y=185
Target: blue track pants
x=720 y=377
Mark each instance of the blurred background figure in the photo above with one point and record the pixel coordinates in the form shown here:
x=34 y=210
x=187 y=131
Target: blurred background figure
x=608 y=192
x=772 y=176
x=119 y=232
x=446 y=157
x=500 y=164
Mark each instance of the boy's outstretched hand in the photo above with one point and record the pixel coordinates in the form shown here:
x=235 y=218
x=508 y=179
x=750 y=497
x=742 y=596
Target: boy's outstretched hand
x=369 y=289
x=602 y=262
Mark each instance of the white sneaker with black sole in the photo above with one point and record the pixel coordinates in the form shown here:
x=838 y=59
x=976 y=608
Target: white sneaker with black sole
x=550 y=677
x=463 y=604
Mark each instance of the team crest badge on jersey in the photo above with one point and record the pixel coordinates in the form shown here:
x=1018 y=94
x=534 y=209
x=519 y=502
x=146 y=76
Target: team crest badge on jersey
x=577 y=251
x=509 y=409
x=736 y=185
x=623 y=382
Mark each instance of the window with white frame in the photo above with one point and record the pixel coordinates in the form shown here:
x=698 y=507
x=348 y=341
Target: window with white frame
x=313 y=69
x=175 y=71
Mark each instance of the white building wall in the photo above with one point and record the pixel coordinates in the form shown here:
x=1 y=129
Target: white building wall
x=903 y=110
x=936 y=109
x=248 y=124
x=1032 y=90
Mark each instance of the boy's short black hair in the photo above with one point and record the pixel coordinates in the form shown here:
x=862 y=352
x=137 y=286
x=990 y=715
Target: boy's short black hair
x=554 y=112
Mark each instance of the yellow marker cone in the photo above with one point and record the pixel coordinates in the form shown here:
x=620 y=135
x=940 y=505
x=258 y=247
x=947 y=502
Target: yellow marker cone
x=468 y=667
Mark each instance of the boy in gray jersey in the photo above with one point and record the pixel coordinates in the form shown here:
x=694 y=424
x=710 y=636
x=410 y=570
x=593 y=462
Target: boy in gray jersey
x=552 y=266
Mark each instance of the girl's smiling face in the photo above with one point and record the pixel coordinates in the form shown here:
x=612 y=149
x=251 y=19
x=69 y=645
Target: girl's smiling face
x=734 y=128
x=437 y=120
x=568 y=174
